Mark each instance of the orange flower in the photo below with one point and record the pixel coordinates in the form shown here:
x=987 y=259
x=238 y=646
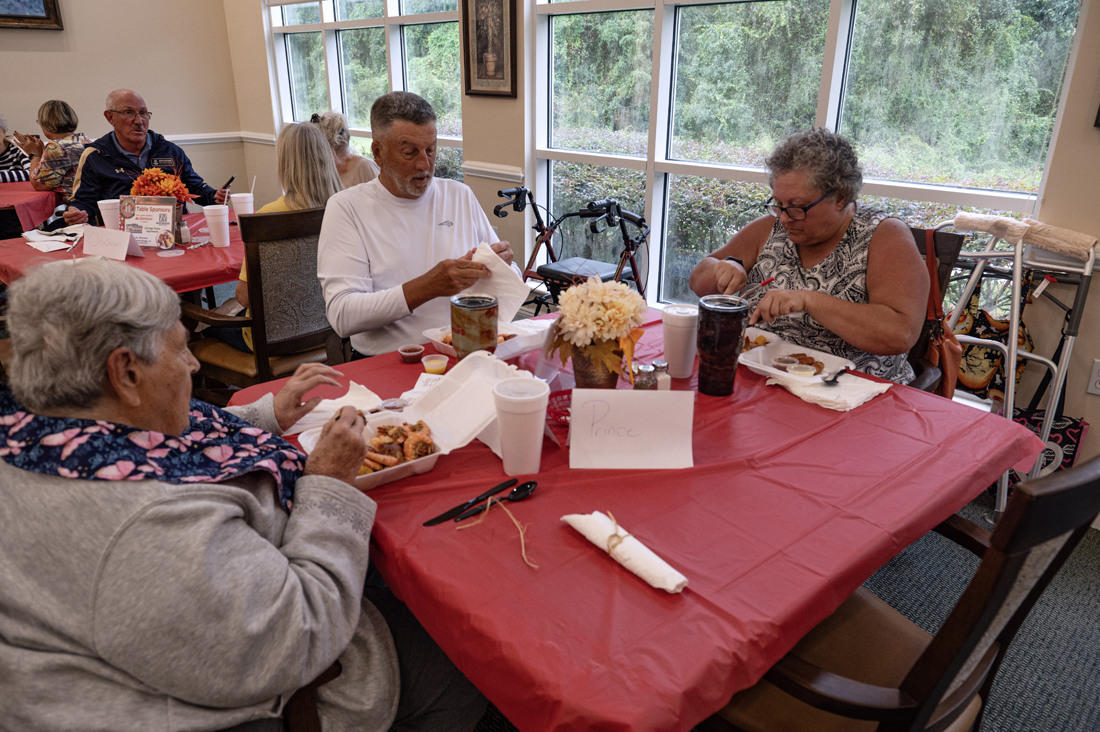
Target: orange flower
x=155 y=182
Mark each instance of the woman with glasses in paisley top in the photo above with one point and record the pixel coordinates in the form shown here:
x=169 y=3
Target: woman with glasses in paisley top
x=848 y=279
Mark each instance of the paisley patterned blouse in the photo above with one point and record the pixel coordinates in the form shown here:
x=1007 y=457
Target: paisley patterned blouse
x=842 y=274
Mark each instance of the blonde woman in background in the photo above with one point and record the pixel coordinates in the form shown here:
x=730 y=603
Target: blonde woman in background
x=352 y=167
x=307 y=172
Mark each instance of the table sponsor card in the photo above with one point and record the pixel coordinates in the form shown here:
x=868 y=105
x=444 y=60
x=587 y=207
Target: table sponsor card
x=110 y=244
x=623 y=429
x=151 y=219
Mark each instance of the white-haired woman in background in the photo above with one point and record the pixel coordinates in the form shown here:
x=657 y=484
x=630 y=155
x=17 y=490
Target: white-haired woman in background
x=167 y=559
x=352 y=167
x=14 y=163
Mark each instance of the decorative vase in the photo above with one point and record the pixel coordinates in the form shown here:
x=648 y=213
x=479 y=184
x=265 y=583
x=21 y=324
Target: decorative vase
x=592 y=374
x=490 y=64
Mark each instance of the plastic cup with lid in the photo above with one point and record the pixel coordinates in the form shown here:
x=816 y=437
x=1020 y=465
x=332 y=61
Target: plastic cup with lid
x=680 y=323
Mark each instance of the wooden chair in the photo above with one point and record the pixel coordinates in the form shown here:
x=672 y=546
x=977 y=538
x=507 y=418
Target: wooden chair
x=300 y=712
x=867 y=662
x=948 y=246
x=287 y=308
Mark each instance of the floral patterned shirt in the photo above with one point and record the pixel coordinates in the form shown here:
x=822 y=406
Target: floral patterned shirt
x=59 y=161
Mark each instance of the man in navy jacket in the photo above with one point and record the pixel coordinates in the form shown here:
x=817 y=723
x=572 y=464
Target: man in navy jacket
x=110 y=165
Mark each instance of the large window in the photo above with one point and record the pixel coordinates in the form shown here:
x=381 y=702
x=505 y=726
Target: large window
x=344 y=54
x=671 y=108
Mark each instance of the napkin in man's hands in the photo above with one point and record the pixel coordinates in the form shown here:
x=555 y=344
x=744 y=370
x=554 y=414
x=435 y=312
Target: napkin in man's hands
x=358 y=396
x=626 y=550
x=505 y=285
x=850 y=391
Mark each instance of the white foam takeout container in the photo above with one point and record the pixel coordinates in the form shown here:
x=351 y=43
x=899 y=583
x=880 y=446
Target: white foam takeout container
x=760 y=359
x=530 y=334
x=456 y=408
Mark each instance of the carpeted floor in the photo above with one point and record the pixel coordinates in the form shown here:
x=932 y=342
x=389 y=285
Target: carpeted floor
x=1050 y=680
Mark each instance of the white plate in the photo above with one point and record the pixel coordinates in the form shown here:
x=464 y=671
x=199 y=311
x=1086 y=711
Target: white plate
x=760 y=359
x=308 y=441
x=530 y=335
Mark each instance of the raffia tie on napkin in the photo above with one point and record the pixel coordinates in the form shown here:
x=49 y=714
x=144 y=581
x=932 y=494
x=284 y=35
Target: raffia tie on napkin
x=849 y=392
x=606 y=533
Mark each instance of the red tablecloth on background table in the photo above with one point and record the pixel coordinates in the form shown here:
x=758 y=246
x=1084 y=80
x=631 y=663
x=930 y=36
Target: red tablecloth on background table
x=31 y=206
x=788 y=509
x=194 y=270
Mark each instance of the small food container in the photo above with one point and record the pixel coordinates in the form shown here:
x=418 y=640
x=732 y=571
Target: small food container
x=784 y=363
x=435 y=363
x=411 y=354
x=801 y=369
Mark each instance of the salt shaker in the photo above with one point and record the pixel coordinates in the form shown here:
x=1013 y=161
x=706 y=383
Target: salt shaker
x=185 y=233
x=664 y=381
x=645 y=378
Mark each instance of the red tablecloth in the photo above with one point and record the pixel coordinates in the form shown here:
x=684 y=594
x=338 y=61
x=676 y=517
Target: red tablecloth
x=788 y=509
x=194 y=270
x=31 y=206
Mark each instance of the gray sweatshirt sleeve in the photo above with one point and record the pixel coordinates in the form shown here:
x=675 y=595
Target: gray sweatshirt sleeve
x=260 y=413
x=193 y=601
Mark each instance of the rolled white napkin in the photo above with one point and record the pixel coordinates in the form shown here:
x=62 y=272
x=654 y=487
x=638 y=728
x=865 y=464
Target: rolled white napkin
x=1010 y=230
x=628 y=551
x=849 y=392
x=358 y=396
x=1062 y=241
x=505 y=285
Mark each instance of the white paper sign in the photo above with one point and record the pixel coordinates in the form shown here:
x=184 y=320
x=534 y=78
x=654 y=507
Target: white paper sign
x=611 y=428
x=110 y=244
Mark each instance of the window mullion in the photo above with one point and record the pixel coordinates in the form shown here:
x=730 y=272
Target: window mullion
x=834 y=65
x=332 y=72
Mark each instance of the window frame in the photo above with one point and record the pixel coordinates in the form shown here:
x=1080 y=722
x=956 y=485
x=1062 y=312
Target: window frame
x=658 y=167
x=391 y=20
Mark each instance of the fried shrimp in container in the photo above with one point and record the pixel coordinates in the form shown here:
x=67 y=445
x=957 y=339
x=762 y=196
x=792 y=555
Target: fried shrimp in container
x=418 y=445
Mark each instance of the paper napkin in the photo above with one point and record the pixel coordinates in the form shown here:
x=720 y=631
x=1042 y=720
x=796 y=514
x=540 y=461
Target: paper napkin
x=626 y=550
x=505 y=285
x=358 y=396
x=850 y=391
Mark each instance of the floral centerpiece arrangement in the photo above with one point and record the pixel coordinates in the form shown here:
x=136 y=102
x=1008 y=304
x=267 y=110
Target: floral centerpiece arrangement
x=155 y=182
x=596 y=327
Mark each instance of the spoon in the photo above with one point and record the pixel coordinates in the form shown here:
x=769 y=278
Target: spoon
x=831 y=380
x=521 y=491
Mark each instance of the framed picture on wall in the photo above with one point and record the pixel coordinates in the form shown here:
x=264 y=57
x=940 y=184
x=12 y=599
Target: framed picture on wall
x=32 y=14
x=489 y=47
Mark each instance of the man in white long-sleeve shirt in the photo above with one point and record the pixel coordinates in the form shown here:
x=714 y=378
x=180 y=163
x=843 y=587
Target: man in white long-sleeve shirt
x=393 y=251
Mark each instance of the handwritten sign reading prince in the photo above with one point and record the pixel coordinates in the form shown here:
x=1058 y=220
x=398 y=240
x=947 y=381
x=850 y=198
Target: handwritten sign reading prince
x=151 y=219
x=610 y=428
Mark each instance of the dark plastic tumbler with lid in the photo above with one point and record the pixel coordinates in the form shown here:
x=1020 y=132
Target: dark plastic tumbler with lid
x=720 y=337
x=473 y=323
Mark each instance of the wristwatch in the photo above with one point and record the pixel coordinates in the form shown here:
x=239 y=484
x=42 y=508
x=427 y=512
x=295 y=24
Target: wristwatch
x=734 y=259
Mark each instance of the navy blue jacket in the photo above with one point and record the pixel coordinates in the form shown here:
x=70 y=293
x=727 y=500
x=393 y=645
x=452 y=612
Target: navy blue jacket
x=105 y=173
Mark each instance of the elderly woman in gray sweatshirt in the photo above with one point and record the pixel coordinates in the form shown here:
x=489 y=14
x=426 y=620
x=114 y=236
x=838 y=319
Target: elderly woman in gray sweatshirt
x=168 y=565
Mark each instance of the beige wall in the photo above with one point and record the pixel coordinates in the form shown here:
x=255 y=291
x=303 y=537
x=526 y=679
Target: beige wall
x=1071 y=201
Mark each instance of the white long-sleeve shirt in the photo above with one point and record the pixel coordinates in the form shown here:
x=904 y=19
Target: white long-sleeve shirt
x=373 y=242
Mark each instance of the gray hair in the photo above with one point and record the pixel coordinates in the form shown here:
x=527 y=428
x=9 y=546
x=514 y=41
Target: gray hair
x=335 y=127
x=399 y=105
x=4 y=124
x=825 y=156
x=66 y=319
x=306 y=166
